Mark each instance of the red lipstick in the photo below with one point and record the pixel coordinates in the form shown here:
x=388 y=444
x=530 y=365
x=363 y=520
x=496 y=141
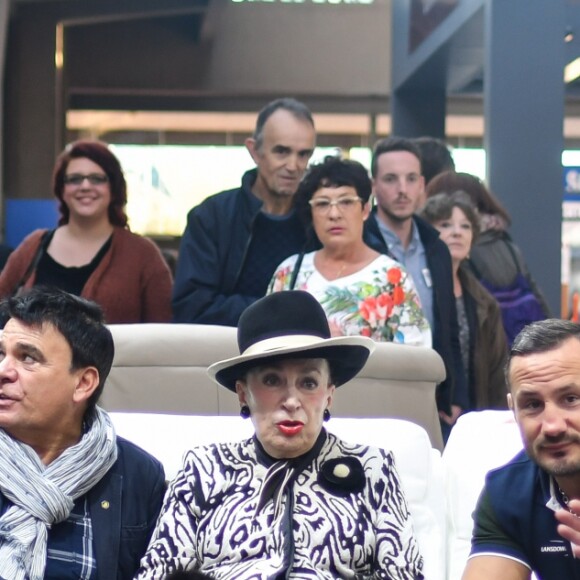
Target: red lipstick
x=290 y=427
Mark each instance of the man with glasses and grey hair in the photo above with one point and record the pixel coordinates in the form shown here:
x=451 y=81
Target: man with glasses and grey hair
x=234 y=240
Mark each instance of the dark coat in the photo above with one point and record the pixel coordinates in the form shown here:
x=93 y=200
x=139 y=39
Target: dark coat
x=492 y=258
x=212 y=255
x=453 y=390
x=124 y=507
x=488 y=345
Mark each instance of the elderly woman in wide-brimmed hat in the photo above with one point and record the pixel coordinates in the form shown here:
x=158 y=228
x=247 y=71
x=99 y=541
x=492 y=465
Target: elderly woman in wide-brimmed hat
x=294 y=501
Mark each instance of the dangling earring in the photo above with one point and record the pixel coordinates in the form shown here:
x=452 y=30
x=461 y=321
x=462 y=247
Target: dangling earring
x=244 y=411
x=326 y=415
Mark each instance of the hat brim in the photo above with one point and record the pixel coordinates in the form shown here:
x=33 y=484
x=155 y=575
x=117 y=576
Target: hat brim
x=346 y=356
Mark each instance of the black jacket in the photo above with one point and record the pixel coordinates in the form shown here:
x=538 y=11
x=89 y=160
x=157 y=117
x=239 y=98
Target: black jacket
x=212 y=254
x=446 y=332
x=124 y=507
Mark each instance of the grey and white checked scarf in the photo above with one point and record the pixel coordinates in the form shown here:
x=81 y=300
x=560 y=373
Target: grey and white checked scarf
x=44 y=495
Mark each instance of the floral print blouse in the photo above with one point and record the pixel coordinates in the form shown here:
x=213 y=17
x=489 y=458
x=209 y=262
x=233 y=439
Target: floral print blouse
x=379 y=301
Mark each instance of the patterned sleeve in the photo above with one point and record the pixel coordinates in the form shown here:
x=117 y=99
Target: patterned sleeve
x=172 y=545
x=282 y=276
x=397 y=552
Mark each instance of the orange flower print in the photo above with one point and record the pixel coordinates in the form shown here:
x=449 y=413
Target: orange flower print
x=394 y=276
x=398 y=295
x=368 y=310
x=385 y=305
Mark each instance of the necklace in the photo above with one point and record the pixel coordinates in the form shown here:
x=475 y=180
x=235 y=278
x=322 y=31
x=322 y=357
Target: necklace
x=566 y=501
x=340 y=271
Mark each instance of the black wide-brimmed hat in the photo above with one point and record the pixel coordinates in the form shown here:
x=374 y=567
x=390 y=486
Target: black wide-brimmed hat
x=291 y=324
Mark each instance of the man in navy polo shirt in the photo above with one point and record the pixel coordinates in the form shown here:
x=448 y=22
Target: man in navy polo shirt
x=528 y=512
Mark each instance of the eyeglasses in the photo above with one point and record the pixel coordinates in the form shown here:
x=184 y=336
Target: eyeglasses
x=78 y=178
x=323 y=205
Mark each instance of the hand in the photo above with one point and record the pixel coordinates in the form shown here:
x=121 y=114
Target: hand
x=569 y=527
x=456 y=410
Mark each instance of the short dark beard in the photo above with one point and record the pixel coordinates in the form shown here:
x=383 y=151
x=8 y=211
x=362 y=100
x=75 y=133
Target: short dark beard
x=394 y=218
x=563 y=468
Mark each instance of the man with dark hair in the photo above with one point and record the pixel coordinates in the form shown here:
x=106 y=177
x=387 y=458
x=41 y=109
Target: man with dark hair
x=75 y=500
x=527 y=514
x=234 y=240
x=435 y=155
x=393 y=228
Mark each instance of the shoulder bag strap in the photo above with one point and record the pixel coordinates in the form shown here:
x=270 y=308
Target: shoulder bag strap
x=508 y=242
x=44 y=241
x=296 y=271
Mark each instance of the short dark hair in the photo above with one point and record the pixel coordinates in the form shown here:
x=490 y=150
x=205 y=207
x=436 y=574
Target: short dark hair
x=298 y=109
x=80 y=322
x=482 y=197
x=435 y=155
x=440 y=207
x=394 y=144
x=98 y=152
x=541 y=336
x=332 y=172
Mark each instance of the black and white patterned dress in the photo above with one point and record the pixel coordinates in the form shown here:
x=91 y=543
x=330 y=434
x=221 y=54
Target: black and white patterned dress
x=233 y=512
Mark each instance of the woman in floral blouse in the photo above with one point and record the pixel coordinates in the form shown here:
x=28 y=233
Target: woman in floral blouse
x=362 y=292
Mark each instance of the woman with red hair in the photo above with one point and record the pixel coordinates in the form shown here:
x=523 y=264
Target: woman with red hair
x=92 y=253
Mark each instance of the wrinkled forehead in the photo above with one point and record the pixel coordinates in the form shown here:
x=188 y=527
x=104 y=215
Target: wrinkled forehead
x=552 y=368
x=285 y=126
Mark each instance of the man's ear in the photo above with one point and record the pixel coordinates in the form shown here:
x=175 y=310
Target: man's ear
x=510 y=402
x=87 y=383
x=250 y=143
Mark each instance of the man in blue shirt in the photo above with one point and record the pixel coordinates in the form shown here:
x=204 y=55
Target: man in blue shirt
x=75 y=500
x=393 y=228
x=528 y=511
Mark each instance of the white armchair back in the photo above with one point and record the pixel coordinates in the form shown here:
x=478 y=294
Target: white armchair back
x=161 y=368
